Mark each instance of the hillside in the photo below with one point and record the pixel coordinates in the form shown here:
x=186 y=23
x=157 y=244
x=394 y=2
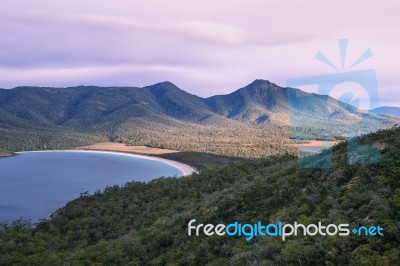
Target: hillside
x=308 y=115
x=147 y=223
x=254 y=121
x=387 y=110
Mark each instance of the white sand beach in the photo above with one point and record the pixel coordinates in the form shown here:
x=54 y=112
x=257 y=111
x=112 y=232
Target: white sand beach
x=183 y=168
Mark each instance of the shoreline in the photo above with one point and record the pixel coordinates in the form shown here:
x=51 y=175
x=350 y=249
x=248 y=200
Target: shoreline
x=6 y=155
x=313 y=146
x=183 y=168
x=121 y=147
x=315 y=143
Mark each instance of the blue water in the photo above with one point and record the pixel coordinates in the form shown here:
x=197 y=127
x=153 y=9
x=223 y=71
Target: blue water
x=316 y=148
x=34 y=184
x=313 y=149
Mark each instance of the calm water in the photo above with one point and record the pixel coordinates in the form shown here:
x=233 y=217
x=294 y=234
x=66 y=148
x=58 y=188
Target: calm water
x=316 y=148
x=313 y=149
x=34 y=184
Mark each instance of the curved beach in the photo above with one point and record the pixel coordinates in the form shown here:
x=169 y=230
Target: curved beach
x=183 y=168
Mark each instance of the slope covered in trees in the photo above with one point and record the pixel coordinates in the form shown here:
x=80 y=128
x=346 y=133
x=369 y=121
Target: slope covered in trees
x=387 y=110
x=146 y=223
x=254 y=121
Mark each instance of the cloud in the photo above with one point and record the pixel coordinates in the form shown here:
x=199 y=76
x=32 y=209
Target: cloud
x=210 y=32
x=206 y=47
x=75 y=40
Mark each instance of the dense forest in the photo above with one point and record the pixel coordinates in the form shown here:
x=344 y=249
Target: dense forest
x=255 y=121
x=146 y=223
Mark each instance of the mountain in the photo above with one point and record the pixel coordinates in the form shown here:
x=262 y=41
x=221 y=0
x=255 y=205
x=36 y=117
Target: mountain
x=254 y=103
x=92 y=106
x=263 y=101
x=179 y=104
x=308 y=115
x=259 y=102
x=256 y=120
x=147 y=223
x=387 y=110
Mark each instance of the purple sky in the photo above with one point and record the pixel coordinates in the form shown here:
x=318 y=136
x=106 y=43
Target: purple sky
x=204 y=47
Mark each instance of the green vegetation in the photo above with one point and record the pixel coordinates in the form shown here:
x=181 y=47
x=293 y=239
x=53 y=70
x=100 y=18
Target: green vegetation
x=254 y=121
x=202 y=161
x=52 y=139
x=237 y=140
x=146 y=223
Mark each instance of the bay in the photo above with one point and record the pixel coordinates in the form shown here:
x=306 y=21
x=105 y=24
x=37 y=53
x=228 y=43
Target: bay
x=33 y=184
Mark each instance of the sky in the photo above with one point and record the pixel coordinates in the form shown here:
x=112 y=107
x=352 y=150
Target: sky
x=204 y=47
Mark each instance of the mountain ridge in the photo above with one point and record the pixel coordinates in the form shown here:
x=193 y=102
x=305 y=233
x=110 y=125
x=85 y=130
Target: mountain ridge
x=387 y=110
x=260 y=116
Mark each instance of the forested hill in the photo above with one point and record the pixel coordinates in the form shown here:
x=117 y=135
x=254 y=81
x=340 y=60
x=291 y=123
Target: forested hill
x=387 y=110
x=254 y=121
x=147 y=223
x=103 y=108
